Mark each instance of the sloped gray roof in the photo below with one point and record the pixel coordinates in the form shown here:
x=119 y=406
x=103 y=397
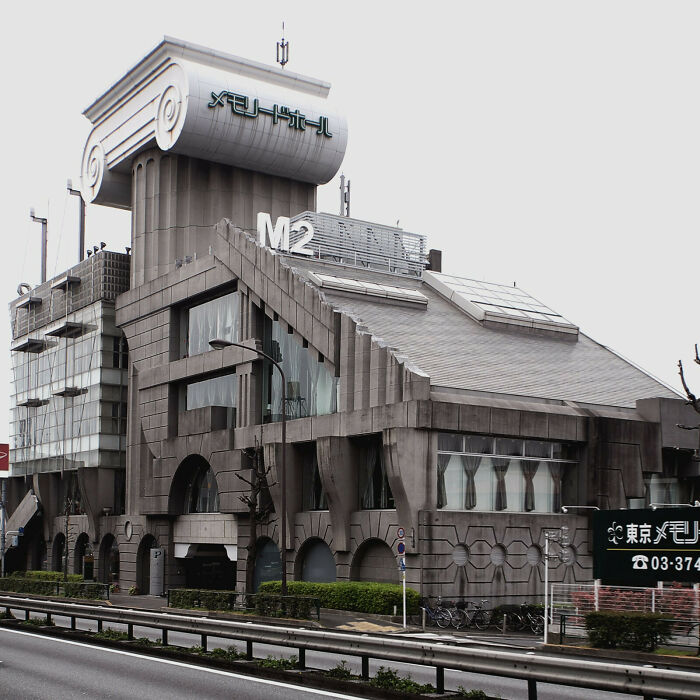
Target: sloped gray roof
x=460 y=353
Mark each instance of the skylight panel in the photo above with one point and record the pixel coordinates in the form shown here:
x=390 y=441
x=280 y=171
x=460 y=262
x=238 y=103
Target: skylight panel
x=499 y=303
x=373 y=289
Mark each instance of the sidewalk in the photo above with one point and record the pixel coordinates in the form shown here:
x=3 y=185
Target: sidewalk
x=360 y=622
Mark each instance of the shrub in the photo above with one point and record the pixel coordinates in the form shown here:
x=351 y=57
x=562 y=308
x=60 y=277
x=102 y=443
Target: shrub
x=133 y=590
x=341 y=671
x=359 y=596
x=610 y=629
x=48 y=575
x=389 y=679
x=202 y=598
x=92 y=591
x=15 y=584
x=281 y=664
x=272 y=605
x=111 y=633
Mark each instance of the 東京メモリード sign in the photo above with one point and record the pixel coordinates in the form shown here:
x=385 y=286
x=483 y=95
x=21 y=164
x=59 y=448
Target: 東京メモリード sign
x=641 y=547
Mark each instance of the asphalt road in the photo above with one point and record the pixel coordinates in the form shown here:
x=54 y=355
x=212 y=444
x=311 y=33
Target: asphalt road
x=33 y=666
x=40 y=667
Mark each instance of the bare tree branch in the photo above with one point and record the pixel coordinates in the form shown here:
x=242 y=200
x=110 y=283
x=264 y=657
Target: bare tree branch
x=697 y=357
x=692 y=399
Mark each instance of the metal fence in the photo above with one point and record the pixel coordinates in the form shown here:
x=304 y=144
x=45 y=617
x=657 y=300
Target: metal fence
x=680 y=604
x=534 y=668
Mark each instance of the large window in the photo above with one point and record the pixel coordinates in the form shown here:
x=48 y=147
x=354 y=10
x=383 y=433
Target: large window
x=477 y=472
x=311 y=389
x=217 y=318
x=375 y=492
x=217 y=391
x=202 y=494
x=313 y=495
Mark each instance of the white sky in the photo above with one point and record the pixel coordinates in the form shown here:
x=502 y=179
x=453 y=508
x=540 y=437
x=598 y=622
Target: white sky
x=554 y=144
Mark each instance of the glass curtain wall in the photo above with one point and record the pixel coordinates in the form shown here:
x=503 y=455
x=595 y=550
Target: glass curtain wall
x=312 y=390
x=482 y=473
x=218 y=318
x=50 y=432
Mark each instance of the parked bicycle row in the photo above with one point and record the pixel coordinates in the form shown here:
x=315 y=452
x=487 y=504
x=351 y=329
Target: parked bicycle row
x=465 y=614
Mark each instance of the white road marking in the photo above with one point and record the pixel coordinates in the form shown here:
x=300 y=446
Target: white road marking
x=219 y=672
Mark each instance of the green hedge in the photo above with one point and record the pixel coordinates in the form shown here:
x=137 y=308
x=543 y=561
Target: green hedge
x=37 y=586
x=46 y=575
x=78 y=589
x=294 y=606
x=359 y=596
x=202 y=598
x=15 y=584
x=613 y=629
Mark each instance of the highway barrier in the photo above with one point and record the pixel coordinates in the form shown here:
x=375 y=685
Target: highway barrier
x=646 y=681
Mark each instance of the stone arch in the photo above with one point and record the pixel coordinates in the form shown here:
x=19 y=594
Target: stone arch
x=268 y=563
x=374 y=561
x=109 y=559
x=187 y=477
x=315 y=562
x=143 y=563
x=82 y=549
x=58 y=551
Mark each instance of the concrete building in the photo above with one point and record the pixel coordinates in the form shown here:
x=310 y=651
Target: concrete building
x=467 y=413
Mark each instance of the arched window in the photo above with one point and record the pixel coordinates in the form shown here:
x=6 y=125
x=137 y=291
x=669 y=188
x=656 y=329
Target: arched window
x=202 y=494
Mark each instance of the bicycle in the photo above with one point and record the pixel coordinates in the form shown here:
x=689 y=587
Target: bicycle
x=478 y=617
x=459 y=614
x=438 y=615
x=533 y=620
x=506 y=619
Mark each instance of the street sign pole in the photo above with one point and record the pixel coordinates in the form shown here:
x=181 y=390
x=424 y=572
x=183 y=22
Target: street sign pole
x=401 y=549
x=403 y=576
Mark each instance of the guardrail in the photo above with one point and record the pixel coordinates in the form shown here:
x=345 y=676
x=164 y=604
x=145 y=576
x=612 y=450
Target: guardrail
x=596 y=675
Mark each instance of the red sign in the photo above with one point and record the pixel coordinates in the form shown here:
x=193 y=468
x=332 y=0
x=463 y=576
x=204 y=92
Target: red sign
x=4 y=457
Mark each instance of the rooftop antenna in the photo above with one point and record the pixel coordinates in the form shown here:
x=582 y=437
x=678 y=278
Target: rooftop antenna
x=344 y=197
x=283 y=50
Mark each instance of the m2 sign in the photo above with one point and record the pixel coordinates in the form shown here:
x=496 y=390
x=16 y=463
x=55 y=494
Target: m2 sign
x=278 y=237
x=641 y=547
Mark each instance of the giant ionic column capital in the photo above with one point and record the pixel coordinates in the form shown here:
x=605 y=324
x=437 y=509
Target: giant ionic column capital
x=219 y=108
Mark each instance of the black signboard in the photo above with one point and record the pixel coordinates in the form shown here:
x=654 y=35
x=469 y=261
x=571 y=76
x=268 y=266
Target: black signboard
x=641 y=547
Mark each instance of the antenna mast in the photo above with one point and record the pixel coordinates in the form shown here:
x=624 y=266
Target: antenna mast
x=283 y=50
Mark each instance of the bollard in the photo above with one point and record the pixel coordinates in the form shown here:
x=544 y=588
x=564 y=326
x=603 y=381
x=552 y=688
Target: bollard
x=249 y=651
x=302 y=658
x=129 y=631
x=164 y=638
x=204 y=642
x=531 y=689
x=72 y=622
x=99 y=626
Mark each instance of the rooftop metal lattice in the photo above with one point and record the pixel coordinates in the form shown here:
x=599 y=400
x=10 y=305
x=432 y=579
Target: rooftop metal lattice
x=363 y=244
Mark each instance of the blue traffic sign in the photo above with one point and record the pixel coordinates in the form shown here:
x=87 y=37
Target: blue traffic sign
x=401 y=548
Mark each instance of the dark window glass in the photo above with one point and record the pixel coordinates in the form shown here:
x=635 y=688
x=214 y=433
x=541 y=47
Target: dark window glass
x=375 y=492
x=313 y=495
x=202 y=495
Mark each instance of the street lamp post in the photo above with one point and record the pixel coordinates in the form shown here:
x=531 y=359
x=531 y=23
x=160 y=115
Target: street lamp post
x=560 y=536
x=220 y=344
